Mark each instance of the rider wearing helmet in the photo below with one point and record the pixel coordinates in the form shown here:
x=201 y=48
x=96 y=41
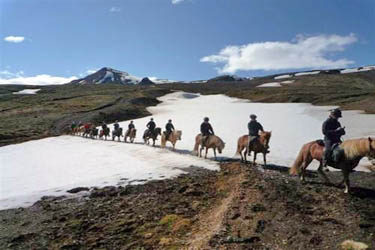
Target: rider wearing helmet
x=206 y=131
x=332 y=132
x=168 y=129
x=116 y=126
x=254 y=127
x=151 y=125
x=130 y=127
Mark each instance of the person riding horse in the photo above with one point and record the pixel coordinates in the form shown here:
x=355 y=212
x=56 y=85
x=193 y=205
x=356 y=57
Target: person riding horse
x=332 y=132
x=169 y=128
x=151 y=125
x=254 y=127
x=130 y=127
x=206 y=131
x=116 y=126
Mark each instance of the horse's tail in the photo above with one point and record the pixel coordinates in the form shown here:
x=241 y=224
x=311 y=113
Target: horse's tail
x=196 y=146
x=238 y=152
x=295 y=169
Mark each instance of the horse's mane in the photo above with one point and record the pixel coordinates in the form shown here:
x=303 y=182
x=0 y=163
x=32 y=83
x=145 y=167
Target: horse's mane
x=356 y=147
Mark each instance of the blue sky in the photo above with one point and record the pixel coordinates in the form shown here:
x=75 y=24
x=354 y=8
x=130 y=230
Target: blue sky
x=183 y=39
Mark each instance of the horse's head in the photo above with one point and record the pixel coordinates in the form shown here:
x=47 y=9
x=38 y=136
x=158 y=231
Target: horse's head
x=178 y=134
x=372 y=147
x=220 y=145
x=158 y=131
x=265 y=138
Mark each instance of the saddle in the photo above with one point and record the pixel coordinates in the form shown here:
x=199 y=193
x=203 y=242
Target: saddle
x=337 y=153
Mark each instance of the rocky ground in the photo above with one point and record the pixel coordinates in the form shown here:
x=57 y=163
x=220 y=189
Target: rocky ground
x=239 y=207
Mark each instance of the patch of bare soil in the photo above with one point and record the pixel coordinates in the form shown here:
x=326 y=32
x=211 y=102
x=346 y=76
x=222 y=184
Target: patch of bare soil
x=239 y=207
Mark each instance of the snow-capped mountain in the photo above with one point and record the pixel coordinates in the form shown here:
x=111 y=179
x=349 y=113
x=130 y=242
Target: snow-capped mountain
x=108 y=75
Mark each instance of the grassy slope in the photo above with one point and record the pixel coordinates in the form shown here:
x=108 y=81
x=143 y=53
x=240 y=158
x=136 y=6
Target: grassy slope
x=25 y=117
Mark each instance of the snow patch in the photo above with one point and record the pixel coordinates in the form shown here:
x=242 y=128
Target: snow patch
x=270 y=84
x=355 y=70
x=288 y=82
x=307 y=73
x=27 y=92
x=283 y=77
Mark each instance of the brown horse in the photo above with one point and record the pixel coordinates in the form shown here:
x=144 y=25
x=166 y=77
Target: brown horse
x=259 y=146
x=173 y=138
x=212 y=141
x=79 y=130
x=154 y=136
x=354 y=151
x=104 y=133
x=131 y=134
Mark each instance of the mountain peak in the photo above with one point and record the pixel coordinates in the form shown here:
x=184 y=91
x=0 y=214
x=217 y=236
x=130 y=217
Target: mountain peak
x=108 y=75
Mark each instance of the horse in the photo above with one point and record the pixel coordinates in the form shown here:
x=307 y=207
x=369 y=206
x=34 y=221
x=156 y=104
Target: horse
x=258 y=146
x=87 y=129
x=173 y=138
x=353 y=151
x=117 y=133
x=154 y=136
x=94 y=132
x=212 y=141
x=78 y=130
x=131 y=134
x=104 y=133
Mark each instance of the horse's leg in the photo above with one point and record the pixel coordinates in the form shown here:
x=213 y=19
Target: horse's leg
x=264 y=159
x=346 y=181
x=322 y=172
x=205 y=157
x=174 y=146
x=214 y=153
x=255 y=158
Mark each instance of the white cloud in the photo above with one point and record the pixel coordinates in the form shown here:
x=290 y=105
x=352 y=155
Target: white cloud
x=8 y=74
x=114 y=9
x=14 y=39
x=37 y=80
x=177 y=1
x=304 y=52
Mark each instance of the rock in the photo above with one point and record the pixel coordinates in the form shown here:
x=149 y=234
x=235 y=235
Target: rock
x=261 y=225
x=195 y=205
x=77 y=190
x=353 y=245
x=258 y=208
x=148 y=235
x=146 y=81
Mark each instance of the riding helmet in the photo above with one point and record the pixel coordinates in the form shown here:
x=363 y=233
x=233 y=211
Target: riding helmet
x=252 y=116
x=206 y=119
x=336 y=113
x=169 y=120
x=152 y=119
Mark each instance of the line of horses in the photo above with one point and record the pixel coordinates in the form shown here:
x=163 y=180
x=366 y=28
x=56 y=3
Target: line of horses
x=354 y=150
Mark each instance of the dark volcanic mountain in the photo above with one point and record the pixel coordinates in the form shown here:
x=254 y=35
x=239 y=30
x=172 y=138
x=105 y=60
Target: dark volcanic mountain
x=146 y=81
x=108 y=75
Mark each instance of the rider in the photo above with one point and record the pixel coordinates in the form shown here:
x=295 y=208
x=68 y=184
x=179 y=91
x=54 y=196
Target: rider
x=116 y=125
x=151 y=126
x=130 y=127
x=332 y=131
x=104 y=127
x=74 y=125
x=206 y=130
x=169 y=128
x=254 y=127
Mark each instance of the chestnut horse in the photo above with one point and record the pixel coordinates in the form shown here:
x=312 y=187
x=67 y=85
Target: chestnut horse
x=173 y=138
x=212 y=141
x=354 y=151
x=258 y=146
x=131 y=134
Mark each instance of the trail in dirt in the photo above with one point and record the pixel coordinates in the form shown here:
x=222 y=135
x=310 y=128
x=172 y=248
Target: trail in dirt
x=211 y=222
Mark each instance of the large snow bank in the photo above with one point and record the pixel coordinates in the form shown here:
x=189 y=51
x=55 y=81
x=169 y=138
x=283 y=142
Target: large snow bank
x=32 y=169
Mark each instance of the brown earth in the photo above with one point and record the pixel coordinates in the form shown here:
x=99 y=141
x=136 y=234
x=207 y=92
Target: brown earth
x=239 y=207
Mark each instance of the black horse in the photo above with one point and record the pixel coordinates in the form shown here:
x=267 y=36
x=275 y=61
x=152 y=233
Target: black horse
x=117 y=133
x=147 y=135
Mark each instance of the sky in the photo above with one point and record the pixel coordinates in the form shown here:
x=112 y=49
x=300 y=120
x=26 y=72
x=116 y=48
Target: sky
x=55 y=41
